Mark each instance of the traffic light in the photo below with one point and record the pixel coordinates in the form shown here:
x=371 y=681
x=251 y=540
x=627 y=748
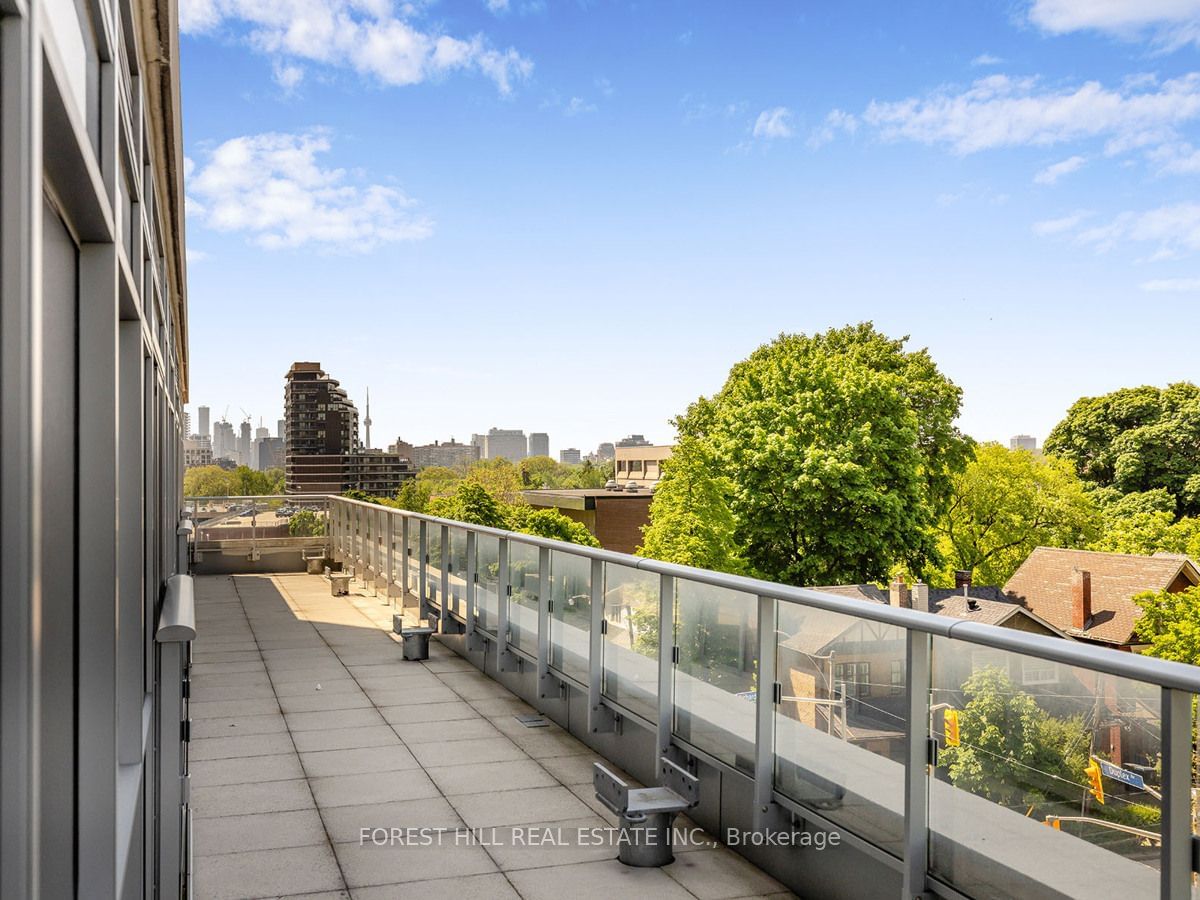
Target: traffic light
x=1092 y=771
x=950 y=727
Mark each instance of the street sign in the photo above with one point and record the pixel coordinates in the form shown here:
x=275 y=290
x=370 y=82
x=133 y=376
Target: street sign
x=1116 y=773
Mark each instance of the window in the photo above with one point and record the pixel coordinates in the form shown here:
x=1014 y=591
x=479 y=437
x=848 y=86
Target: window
x=854 y=678
x=897 y=677
x=1038 y=671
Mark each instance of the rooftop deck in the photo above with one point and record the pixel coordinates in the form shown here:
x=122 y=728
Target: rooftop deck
x=308 y=727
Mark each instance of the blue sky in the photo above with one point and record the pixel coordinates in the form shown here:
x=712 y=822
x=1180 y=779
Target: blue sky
x=575 y=216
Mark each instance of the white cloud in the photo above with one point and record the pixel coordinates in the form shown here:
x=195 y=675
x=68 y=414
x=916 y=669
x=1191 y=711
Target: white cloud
x=577 y=106
x=1176 y=159
x=1052 y=173
x=774 y=123
x=1172 y=230
x=287 y=75
x=372 y=37
x=497 y=6
x=837 y=121
x=1173 y=285
x=986 y=59
x=194 y=256
x=271 y=187
x=1000 y=111
x=1170 y=23
x=1059 y=226
x=604 y=86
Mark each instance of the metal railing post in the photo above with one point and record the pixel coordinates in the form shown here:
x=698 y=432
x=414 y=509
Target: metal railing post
x=765 y=701
x=506 y=661
x=389 y=533
x=1177 y=794
x=546 y=684
x=475 y=640
x=422 y=564
x=916 y=764
x=445 y=583
x=666 y=661
x=600 y=717
x=407 y=557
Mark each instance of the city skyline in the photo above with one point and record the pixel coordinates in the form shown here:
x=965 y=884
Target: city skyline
x=1006 y=183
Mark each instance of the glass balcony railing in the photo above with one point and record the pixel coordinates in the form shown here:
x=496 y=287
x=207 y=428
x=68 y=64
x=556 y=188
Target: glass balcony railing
x=972 y=760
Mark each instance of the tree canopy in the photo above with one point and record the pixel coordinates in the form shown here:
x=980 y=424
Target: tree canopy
x=1170 y=624
x=690 y=519
x=1012 y=751
x=834 y=453
x=1137 y=440
x=214 y=481
x=1006 y=503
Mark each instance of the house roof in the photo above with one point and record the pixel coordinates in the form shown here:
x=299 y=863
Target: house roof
x=993 y=606
x=1043 y=584
x=817 y=631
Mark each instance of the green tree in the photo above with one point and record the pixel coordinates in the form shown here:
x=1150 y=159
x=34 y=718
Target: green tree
x=412 y=496
x=208 y=481
x=690 y=520
x=1011 y=750
x=1137 y=440
x=500 y=477
x=549 y=523
x=305 y=523
x=1006 y=503
x=836 y=451
x=438 y=481
x=1170 y=624
x=469 y=503
x=1145 y=523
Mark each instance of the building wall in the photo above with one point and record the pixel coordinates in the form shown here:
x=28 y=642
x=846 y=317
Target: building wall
x=93 y=354
x=619 y=523
x=642 y=464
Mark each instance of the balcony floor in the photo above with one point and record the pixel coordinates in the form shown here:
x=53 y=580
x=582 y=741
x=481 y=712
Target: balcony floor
x=309 y=727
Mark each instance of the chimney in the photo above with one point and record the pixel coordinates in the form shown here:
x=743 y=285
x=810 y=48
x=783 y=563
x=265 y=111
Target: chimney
x=1081 y=598
x=899 y=594
x=920 y=596
x=962 y=581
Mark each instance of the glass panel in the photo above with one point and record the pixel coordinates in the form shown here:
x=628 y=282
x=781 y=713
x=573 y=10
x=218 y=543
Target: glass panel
x=840 y=726
x=433 y=565
x=487 y=566
x=718 y=657
x=523 y=601
x=1033 y=739
x=458 y=571
x=398 y=568
x=414 y=556
x=571 y=613
x=631 y=638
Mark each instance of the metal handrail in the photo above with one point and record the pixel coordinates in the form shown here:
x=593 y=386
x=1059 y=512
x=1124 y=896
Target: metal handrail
x=366 y=533
x=1164 y=673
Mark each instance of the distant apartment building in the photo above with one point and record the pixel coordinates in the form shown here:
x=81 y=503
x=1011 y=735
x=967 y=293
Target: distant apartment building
x=268 y=453
x=539 y=444
x=202 y=413
x=640 y=463
x=224 y=444
x=187 y=423
x=450 y=454
x=633 y=440
x=322 y=453
x=504 y=443
x=197 y=451
x=1023 y=442
x=279 y=429
x=606 y=451
x=571 y=456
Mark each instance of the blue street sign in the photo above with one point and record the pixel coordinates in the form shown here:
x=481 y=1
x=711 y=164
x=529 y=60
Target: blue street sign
x=1116 y=773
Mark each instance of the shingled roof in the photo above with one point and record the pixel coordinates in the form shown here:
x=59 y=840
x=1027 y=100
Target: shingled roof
x=1043 y=584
